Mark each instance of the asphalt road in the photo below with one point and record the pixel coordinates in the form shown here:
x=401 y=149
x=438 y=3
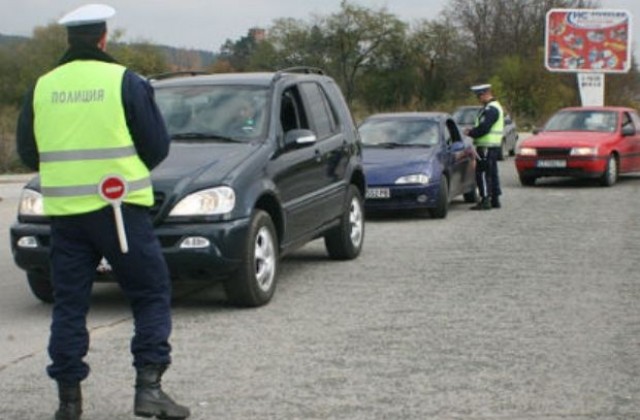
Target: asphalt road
x=528 y=312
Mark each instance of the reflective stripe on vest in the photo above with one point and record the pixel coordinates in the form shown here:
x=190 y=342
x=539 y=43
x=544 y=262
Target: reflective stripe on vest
x=82 y=136
x=90 y=189
x=88 y=154
x=494 y=137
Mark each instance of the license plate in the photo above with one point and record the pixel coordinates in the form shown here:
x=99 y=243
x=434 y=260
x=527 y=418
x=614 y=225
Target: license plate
x=552 y=163
x=378 y=193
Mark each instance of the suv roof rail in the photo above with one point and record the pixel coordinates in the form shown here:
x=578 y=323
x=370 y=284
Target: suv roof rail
x=302 y=69
x=171 y=74
x=298 y=69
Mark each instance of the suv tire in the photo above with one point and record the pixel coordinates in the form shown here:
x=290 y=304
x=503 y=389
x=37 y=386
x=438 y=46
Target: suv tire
x=41 y=286
x=255 y=282
x=345 y=241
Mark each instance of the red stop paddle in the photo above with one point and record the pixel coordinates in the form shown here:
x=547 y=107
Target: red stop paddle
x=113 y=189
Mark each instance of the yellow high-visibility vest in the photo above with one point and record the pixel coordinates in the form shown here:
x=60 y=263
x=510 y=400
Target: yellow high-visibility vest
x=494 y=137
x=82 y=136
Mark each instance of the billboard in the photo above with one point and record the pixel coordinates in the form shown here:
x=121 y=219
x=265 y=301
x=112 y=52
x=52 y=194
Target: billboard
x=588 y=40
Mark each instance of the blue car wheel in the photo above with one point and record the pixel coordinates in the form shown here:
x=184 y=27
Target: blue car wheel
x=442 y=205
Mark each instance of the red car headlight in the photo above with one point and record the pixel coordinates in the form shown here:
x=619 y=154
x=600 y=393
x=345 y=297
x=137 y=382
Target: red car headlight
x=527 y=151
x=584 y=151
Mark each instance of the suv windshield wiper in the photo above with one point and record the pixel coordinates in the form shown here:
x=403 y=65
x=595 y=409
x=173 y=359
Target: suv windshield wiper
x=195 y=135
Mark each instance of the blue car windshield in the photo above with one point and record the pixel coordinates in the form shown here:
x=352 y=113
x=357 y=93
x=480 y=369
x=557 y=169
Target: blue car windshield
x=214 y=112
x=587 y=120
x=401 y=132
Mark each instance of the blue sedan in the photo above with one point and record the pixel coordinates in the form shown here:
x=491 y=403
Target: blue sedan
x=416 y=160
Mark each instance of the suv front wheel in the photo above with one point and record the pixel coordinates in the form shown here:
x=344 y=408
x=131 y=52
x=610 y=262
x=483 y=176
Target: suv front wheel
x=41 y=286
x=345 y=241
x=255 y=282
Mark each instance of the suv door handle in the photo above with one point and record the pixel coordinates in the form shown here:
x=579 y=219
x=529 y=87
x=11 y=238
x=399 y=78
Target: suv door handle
x=318 y=155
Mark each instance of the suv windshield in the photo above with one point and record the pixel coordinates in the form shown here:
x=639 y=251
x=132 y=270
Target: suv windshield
x=213 y=112
x=399 y=132
x=604 y=121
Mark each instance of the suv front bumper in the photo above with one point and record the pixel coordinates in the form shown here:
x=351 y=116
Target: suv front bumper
x=194 y=251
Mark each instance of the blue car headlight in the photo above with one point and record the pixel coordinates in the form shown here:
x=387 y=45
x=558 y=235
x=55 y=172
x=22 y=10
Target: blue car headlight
x=421 y=179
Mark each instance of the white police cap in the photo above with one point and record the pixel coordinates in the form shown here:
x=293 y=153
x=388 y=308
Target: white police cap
x=479 y=89
x=87 y=15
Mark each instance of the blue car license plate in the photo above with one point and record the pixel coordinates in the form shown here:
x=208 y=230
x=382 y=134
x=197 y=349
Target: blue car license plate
x=378 y=193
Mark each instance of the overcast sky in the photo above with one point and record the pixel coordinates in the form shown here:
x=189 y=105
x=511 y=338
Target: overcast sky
x=207 y=24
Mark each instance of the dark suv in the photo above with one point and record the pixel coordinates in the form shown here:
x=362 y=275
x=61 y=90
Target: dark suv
x=260 y=164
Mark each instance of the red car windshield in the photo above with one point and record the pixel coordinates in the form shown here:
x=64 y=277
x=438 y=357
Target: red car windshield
x=587 y=120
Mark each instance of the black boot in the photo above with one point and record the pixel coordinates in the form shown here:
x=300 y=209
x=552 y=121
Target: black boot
x=70 y=398
x=483 y=204
x=150 y=400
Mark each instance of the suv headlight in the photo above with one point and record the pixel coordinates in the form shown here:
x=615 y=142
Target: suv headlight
x=219 y=200
x=30 y=203
x=413 y=179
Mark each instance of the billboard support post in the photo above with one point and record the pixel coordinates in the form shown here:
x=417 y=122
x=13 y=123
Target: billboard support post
x=591 y=87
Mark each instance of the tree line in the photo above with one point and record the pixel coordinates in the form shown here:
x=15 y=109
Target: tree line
x=381 y=62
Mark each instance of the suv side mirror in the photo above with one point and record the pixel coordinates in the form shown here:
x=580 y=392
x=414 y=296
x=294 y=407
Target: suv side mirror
x=299 y=138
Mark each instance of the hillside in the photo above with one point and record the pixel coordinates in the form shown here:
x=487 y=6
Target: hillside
x=12 y=39
x=176 y=57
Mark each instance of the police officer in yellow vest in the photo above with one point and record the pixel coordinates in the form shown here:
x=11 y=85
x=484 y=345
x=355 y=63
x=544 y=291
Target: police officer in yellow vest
x=87 y=119
x=487 y=139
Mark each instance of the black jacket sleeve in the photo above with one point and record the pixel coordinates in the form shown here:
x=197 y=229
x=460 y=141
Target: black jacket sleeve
x=144 y=120
x=488 y=118
x=25 y=137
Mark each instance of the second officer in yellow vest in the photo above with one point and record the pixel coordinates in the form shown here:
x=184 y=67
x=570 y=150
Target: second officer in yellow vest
x=487 y=139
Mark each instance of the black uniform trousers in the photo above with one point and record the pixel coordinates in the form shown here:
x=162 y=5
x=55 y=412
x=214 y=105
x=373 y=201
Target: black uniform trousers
x=78 y=243
x=487 y=177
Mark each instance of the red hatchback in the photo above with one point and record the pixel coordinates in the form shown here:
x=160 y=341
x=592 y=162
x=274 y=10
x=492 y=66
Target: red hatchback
x=585 y=142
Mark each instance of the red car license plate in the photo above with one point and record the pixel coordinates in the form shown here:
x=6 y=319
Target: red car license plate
x=552 y=163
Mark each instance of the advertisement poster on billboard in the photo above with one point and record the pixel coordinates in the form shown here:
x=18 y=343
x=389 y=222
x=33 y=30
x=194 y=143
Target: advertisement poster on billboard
x=588 y=40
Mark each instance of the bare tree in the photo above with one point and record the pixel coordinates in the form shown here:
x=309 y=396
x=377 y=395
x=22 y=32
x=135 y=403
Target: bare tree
x=355 y=35
x=492 y=29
